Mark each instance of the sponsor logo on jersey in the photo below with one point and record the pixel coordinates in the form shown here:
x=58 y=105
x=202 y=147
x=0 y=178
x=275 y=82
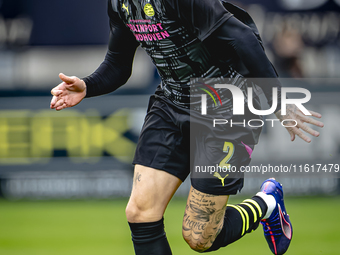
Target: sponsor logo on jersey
x=148 y=9
x=147 y=32
x=125 y=8
x=216 y=174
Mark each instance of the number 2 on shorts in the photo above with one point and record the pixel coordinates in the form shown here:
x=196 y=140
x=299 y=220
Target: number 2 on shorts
x=228 y=148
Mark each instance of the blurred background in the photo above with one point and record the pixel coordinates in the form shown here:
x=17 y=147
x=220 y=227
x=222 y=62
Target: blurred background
x=65 y=176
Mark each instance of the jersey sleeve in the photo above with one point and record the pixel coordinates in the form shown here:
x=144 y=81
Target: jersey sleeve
x=250 y=51
x=202 y=17
x=116 y=68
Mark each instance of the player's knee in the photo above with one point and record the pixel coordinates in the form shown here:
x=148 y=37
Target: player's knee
x=139 y=212
x=132 y=212
x=199 y=244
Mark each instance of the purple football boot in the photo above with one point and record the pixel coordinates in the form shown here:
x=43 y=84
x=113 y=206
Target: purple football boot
x=277 y=228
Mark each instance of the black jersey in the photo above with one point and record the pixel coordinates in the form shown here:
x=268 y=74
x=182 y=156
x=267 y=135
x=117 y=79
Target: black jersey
x=173 y=34
x=185 y=39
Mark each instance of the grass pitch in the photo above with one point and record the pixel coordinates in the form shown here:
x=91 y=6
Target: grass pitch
x=99 y=227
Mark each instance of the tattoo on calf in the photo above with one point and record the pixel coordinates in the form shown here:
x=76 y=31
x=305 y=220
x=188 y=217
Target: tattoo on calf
x=202 y=221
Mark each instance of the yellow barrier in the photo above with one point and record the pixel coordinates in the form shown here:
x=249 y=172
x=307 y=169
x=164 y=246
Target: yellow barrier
x=31 y=136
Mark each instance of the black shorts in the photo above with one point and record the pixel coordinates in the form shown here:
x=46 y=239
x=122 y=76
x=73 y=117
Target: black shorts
x=169 y=134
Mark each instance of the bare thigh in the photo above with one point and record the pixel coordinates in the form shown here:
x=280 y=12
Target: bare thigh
x=203 y=219
x=151 y=192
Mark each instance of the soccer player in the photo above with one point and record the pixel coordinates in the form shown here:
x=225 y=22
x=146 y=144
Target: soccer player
x=187 y=39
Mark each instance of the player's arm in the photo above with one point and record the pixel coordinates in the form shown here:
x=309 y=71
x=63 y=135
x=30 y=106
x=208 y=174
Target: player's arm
x=113 y=72
x=243 y=40
x=211 y=19
x=116 y=69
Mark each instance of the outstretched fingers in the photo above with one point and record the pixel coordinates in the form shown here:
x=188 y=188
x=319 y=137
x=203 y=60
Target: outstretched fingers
x=58 y=101
x=313 y=121
x=301 y=128
x=63 y=106
x=315 y=114
x=301 y=121
x=58 y=105
x=56 y=95
x=292 y=134
x=308 y=129
x=297 y=131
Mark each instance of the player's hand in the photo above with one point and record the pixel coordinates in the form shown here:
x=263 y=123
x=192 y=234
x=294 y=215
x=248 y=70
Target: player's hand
x=68 y=93
x=293 y=113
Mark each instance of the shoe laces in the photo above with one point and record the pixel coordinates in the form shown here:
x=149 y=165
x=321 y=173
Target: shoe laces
x=272 y=227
